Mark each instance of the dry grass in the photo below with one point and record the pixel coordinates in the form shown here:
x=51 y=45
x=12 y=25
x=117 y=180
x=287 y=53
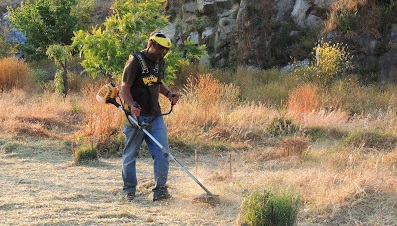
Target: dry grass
x=47 y=188
x=295 y=146
x=44 y=113
x=13 y=73
x=338 y=185
x=344 y=16
x=100 y=120
x=303 y=99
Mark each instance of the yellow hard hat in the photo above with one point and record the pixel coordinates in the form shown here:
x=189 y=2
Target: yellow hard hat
x=161 y=39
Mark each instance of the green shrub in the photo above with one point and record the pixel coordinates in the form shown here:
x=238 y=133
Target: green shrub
x=331 y=61
x=270 y=209
x=346 y=19
x=6 y=48
x=316 y=133
x=281 y=126
x=85 y=153
x=59 y=84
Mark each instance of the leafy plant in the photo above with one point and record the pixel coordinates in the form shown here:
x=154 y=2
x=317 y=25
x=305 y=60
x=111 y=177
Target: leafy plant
x=44 y=22
x=346 y=19
x=5 y=47
x=281 y=126
x=107 y=47
x=331 y=61
x=270 y=209
x=40 y=76
x=59 y=82
x=61 y=54
x=84 y=153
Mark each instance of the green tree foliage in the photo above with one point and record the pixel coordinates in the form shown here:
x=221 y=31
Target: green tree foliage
x=5 y=47
x=61 y=54
x=44 y=22
x=106 y=48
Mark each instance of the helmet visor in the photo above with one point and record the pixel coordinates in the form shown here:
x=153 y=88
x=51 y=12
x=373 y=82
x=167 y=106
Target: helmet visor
x=162 y=40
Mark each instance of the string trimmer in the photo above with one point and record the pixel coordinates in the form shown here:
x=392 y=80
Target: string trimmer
x=107 y=94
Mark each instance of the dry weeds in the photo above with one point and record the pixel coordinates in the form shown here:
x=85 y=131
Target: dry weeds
x=13 y=73
x=41 y=185
x=338 y=185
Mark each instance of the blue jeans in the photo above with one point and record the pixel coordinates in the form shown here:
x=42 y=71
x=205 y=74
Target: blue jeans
x=133 y=140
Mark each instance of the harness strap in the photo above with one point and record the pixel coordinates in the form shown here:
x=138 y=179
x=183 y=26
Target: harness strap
x=142 y=62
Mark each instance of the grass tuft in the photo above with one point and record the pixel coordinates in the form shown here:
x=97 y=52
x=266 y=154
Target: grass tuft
x=270 y=209
x=84 y=154
x=281 y=126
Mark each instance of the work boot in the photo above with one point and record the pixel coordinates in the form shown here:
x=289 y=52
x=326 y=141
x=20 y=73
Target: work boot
x=129 y=196
x=160 y=194
x=129 y=192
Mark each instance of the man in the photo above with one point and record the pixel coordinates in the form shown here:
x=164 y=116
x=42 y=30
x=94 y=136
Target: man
x=140 y=89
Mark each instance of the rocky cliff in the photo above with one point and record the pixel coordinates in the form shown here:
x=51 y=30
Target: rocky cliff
x=269 y=33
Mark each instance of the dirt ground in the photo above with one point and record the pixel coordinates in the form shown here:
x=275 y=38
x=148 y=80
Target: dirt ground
x=40 y=185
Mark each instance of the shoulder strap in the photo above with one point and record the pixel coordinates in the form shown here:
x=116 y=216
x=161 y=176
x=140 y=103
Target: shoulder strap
x=142 y=62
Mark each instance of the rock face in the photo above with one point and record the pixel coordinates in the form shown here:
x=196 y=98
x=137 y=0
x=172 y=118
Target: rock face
x=268 y=33
x=257 y=33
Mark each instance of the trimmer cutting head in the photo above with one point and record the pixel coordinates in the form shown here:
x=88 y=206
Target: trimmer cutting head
x=210 y=199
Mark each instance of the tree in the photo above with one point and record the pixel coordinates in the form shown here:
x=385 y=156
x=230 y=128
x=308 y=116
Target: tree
x=45 y=22
x=106 y=48
x=61 y=54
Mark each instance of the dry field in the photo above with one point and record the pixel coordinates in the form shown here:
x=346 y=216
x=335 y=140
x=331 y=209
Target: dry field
x=40 y=185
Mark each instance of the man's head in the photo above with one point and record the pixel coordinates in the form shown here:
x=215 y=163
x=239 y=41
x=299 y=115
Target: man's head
x=158 y=45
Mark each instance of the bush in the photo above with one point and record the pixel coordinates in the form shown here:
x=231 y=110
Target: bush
x=13 y=73
x=270 y=209
x=5 y=47
x=85 y=153
x=281 y=126
x=331 y=61
x=59 y=83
